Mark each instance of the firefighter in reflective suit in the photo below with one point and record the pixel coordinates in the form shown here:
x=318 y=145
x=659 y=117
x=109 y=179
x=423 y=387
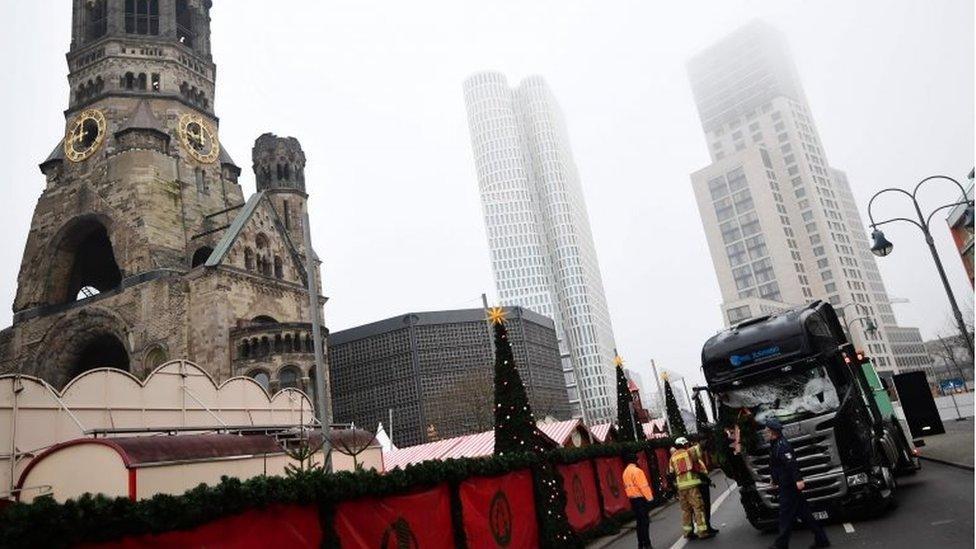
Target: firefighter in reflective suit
x=785 y=474
x=686 y=466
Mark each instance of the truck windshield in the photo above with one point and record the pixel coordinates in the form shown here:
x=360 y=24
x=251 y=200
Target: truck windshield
x=791 y=398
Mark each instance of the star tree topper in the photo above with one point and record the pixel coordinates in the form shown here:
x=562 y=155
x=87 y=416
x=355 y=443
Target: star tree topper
x=618 y=361
x=496 y=315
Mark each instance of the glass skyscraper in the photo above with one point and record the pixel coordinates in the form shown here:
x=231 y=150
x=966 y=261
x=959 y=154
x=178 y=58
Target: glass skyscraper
x=782 y=225
x=542 y=251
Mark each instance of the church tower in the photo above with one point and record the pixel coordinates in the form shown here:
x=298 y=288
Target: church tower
x=279 y=170
x=142 y=246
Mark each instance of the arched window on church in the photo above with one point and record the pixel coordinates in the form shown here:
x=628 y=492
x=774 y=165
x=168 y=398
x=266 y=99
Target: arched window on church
x=288 y=377
x=201 y=179
x=142 y=16
x=130 y=81
x=264 y=264
x=261 y=377
x=95 y=19
x=200 y=256
x=155 y=358
x=279 y=270
x=142 y=81
x=248 y=259
x=184 y=23
x=83 y=263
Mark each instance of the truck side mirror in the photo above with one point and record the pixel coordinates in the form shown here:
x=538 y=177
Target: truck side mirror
x=919 y=442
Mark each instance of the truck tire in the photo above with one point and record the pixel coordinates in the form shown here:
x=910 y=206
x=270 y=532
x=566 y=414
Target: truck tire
x=885 y=494
x=753 y=506
x=908 y=464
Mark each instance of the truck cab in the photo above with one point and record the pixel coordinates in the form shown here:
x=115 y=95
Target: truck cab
x=798 y=366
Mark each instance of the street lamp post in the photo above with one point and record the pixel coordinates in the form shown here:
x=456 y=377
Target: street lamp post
x=869 y=328
x=882 y=246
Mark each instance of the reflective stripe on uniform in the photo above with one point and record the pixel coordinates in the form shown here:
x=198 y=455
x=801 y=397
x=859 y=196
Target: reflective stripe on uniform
x=683 y=463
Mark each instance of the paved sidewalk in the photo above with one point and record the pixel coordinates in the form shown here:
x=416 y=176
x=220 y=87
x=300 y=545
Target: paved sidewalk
x=955 y=446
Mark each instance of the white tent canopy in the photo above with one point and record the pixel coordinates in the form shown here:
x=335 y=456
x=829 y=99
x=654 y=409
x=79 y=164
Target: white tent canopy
x=177 y=395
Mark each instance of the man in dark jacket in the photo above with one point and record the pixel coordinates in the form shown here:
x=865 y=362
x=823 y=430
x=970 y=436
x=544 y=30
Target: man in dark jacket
x=705 y=489
x=786 y=475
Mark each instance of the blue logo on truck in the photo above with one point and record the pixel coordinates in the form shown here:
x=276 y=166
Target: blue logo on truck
x=759 y=354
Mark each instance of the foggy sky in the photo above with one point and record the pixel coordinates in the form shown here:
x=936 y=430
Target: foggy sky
x=373 y=92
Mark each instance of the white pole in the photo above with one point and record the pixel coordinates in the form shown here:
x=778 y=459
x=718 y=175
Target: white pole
x=687 y=394
x=660 y=396
x=324 y=407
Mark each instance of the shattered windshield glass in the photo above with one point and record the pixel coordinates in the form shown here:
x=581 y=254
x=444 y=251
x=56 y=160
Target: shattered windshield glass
x=791 y=398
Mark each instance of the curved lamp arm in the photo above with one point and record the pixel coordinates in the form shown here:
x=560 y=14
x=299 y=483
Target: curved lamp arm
x=962 y=191
x=953 y=205
x=858 y=320
x=893 y=219
x=881 y=192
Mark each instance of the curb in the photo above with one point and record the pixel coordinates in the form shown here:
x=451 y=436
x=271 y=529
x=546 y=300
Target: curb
x=962 y=466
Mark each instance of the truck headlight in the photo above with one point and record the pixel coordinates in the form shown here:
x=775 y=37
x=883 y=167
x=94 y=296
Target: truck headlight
x=858 y=479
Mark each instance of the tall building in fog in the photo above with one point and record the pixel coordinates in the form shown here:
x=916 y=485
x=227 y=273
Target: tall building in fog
x=542 y=252
x=782 y=224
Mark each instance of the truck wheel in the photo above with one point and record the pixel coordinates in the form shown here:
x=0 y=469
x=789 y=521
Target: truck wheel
x=885 y=494
x=907 y=462
x=753 y=507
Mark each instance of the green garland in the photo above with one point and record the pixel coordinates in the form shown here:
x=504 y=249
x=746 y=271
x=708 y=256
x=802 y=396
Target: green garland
x=90 y=519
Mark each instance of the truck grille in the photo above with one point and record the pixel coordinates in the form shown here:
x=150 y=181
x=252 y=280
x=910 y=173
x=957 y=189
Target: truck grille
x=816 y=454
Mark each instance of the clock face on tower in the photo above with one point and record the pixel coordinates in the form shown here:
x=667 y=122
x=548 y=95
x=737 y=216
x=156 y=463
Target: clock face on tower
x=198 y=138
x=85 y=135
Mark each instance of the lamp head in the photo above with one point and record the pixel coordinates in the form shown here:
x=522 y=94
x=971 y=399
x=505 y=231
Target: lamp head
x=870 y=327
x=881 y=246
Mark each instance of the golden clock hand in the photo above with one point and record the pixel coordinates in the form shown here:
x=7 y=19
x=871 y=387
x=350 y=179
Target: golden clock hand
x=78 y=136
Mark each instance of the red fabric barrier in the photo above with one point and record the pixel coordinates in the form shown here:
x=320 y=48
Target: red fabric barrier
x=582 y=502
x=646 y=467
x=611 y=471
x=274 y=526
x=420 y=519
x=499 y=511
x=663 y=457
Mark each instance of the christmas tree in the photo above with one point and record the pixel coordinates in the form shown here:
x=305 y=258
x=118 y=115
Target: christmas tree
x=701 y=417
x=675 y=420
x=515 y=429
x=625 y=418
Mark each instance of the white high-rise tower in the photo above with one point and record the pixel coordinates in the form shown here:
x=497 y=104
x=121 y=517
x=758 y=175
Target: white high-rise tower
x=782 y=225
x=542 y=252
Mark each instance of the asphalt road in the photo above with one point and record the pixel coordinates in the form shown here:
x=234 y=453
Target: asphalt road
x=935 y=510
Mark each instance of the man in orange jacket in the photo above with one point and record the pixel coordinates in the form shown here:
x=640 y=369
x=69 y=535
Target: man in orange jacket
x=640 y=495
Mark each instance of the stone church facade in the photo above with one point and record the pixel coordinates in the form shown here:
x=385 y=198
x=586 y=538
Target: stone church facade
x=143 y=247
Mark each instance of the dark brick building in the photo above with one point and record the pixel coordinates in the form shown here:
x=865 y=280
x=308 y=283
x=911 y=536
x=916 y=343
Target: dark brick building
x=434 y=370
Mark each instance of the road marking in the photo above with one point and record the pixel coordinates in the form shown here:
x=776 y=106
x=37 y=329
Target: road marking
x=718 y=501
x=941 y=522
x=721 y=498
x=849 y=528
